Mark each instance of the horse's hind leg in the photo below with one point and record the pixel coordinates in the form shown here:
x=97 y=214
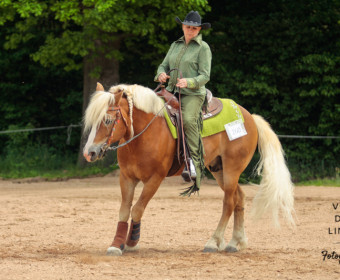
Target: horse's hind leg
x=239 y=239
x=229 y=186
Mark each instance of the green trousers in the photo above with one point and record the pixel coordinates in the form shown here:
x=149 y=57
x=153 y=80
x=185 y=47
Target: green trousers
x=191 y=106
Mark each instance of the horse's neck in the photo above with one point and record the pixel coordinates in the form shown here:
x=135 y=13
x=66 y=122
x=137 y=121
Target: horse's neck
x=140 y=120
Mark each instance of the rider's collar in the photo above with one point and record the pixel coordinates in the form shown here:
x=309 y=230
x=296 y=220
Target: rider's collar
x=197 y=39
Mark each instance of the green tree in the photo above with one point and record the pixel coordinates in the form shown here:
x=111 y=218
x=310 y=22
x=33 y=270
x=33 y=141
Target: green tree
x=281 y=59
x=89 y=34
x=32 y=97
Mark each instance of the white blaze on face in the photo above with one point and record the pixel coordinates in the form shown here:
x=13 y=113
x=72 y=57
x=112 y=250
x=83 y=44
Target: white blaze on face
x=89 y=143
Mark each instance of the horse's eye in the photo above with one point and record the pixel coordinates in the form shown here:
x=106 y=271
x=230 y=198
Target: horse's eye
x=108 y=121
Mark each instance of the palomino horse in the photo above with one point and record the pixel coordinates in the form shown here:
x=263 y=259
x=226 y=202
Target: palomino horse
x=126 y=110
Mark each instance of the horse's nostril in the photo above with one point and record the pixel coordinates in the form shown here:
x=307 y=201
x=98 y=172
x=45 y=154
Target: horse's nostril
x=92 y=155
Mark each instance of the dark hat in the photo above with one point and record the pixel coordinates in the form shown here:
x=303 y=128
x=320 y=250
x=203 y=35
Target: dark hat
x=193 y=18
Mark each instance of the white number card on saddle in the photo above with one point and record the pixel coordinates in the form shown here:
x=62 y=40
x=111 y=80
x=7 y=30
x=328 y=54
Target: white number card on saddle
x=235 y=129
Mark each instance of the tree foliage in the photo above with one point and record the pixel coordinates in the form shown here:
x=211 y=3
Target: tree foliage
x=78 y=24
x=87 y=35
x=33 y=96
x=279 y=59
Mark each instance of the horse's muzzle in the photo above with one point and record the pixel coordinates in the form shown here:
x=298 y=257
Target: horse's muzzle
x=94 y=153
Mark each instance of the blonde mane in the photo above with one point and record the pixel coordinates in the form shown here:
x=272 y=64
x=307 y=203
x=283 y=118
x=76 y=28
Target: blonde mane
x=141 y=97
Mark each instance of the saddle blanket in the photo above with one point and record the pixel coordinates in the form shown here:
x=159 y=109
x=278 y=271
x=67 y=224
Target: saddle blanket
x=230 y=113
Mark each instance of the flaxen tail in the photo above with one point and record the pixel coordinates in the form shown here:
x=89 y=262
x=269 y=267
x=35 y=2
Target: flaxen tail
x=276 y=190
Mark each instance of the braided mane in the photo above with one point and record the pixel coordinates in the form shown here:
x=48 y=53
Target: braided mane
x=141 y=97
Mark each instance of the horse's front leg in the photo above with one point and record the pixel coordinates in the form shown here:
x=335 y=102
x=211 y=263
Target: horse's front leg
x=127 y=186
x=150 y=188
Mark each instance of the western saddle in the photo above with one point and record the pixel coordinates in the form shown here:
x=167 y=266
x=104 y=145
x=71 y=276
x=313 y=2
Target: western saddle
x=213 y=107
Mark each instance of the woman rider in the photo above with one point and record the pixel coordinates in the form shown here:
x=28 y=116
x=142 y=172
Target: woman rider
x=192 y=56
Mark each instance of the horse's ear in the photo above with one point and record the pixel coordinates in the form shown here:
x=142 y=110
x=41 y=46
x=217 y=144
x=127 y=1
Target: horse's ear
x=99 y=87
x=118 y=95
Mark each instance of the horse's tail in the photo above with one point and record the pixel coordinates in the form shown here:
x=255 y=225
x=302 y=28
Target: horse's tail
x=276 y=190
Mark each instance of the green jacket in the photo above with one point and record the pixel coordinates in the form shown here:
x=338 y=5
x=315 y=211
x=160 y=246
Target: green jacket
x=194 y=60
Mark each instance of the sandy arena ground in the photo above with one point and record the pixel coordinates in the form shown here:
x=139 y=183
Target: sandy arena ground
x=61 y=230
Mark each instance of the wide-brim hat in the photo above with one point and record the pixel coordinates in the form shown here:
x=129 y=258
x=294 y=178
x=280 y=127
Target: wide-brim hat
x=193 y=18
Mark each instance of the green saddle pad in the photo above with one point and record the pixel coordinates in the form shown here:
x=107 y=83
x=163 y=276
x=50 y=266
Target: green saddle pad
x=230 y=113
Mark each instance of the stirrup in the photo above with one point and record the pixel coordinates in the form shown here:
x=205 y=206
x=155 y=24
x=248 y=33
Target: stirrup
x=188 y=176
x=193 y=174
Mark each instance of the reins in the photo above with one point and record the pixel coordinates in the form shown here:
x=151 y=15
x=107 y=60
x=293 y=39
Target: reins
x=107 y=147
x=134 y=137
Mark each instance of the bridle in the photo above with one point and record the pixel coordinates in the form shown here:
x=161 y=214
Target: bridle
x=119 y=116
x=107 y=145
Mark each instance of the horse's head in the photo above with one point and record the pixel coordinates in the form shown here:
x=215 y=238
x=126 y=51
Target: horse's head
x=106 y=119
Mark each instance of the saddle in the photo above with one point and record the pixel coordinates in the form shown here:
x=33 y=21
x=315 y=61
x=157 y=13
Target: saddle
x=213 y=107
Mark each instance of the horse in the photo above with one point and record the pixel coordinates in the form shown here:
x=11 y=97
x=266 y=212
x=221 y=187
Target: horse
x=127 y=111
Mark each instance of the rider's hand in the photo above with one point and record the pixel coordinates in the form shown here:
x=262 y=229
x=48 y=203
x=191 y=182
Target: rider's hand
x=182 y=83
x=163 y=77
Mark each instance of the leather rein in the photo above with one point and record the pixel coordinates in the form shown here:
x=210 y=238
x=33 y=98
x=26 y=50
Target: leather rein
x=107 y=145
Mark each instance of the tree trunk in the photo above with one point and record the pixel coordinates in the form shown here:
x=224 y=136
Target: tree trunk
x=109 y=75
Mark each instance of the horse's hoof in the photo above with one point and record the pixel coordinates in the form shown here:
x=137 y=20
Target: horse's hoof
x=209 y=250
x=131 y=249
x=113 y=251
x=231 y=249
x=243 y=245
